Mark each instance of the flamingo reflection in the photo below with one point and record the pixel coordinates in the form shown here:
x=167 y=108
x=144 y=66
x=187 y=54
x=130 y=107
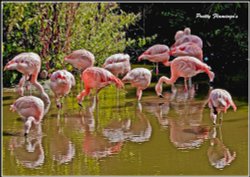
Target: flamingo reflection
x=138 y=130
x=95 y=145
x=28 y=151
x=218 y=154
x=61 y=148
x=141 y=129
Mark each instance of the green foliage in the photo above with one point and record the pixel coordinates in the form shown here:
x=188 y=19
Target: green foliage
x=20 y=33
x=100 y=28
x=54 y=30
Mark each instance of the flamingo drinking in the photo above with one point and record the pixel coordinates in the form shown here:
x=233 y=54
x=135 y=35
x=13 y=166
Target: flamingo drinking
x=186 y=67
x=97 y=78
x=32 y=109
x=139 y=78
x=61 y=82
x=219 y=100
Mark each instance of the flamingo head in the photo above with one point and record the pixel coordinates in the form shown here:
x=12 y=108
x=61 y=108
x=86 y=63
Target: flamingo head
x=59 y=76
x=158 y=89
x=27 y=125
x=11 y=65
x=179 y=34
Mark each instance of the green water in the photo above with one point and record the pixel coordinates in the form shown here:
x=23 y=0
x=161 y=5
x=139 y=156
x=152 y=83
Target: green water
x=117 y=136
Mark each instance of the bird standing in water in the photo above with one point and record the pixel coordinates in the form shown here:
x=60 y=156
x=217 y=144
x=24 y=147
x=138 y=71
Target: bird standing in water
x=186 y=67
x=97 y=78
x=80 y=59
x=118 y=64
x=29 y=64
x=32 y=109
x=156 y=53
x=219 y=100
x=61 y=82
x=139 y=78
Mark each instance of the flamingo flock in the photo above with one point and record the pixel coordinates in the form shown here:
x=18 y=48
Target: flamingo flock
x=188 y=62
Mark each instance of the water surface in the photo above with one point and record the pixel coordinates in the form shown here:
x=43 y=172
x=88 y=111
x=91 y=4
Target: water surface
x=116 y=135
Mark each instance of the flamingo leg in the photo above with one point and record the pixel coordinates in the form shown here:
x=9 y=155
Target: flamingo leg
x=58 y=102
x=36 y=83
x=221 y=118
x=190 y=82
x=157 y=68
x=139 y=93
x=185 y=84
x=81 y=96
x=20 y=86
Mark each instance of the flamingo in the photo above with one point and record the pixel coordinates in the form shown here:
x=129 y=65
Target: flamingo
x=118 y=64
x=219 y=100
x=61 y=82
x=29 y=64
x=184 y=67
x=186 y=36
x=32 y=109
x=187 y=49
x=97 y=78
x=179 y=34
x=80 y=59
x=139 y=78
x=156 y=53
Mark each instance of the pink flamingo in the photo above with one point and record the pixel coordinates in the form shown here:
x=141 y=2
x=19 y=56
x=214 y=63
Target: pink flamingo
x=31 y=108
x=29 y=64
x=187 y=49
x=186 y=67
x=61 y=82
x=186 y=36
x=80 y=59
x=139 y=78
x=219 y=100
x=97 y=78
x=118 y=64
x=156 y=53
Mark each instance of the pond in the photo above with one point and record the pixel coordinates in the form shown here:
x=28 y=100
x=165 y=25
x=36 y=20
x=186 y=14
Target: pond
x=116 y=135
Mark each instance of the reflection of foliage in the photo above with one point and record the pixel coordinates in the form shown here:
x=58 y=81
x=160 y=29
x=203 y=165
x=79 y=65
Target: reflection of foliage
x=53 y=30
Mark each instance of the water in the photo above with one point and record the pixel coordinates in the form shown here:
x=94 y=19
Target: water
x=115 y=135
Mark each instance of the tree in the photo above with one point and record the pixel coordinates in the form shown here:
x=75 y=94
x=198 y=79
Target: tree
x=55 y=29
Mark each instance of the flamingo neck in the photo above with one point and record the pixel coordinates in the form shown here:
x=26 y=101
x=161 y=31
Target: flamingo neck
x=28 y=124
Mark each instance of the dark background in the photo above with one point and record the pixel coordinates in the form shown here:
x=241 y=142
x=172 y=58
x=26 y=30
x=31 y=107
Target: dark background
x=225 y=44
